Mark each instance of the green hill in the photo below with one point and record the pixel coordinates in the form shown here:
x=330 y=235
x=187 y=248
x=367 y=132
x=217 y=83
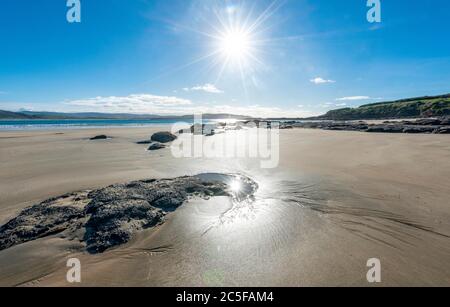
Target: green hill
x=429 y=106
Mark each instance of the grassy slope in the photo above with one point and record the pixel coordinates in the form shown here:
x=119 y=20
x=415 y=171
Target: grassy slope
x=413 y=107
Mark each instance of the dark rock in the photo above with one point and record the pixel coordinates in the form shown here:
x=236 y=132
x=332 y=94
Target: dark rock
x=392 y=128
x=114 y=223
x=419 y=126
x=445 y=121
x=415 y=130
x=50 y=217
x=286 y=127
x=163 y=137
x=376 y=129
x=443 y=130
x=108 y=217
x=146 y=142
x=337 y=128
x=426 y=122
x=99 y=137
x=156 y=146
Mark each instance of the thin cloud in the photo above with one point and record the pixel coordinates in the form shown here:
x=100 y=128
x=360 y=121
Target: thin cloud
x=320 y=80
x=333 y=105
x=208 y=88
x=354 y=98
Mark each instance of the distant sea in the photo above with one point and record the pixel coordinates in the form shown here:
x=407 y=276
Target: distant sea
x=51 y=124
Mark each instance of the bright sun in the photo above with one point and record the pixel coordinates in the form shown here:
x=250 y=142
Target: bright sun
x=235 y=44
x=238 y=40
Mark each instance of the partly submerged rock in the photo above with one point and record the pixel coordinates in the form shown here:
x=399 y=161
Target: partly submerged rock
x=163 y=137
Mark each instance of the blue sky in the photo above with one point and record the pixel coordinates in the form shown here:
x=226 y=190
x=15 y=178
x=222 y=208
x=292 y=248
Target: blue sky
x=301 y=57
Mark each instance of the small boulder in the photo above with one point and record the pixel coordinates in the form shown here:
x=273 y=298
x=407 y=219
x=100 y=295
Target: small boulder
x=99 y=137
x=156 y=146
x=163 y=137
x=146 y=142
x=282 y=127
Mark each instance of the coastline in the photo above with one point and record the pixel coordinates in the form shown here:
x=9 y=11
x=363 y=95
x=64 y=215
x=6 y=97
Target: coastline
x=405 y=177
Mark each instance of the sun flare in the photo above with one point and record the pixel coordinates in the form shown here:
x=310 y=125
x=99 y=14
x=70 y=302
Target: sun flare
x=238 y=41
x=235 y=44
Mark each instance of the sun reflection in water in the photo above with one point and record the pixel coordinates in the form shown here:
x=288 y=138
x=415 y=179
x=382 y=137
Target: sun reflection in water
x=235 y=186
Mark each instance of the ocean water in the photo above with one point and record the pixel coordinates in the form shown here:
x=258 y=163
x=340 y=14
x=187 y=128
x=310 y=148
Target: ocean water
x=50 y=124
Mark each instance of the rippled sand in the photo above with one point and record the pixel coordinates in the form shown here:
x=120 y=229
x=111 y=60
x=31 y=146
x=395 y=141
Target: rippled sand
x=336 y=200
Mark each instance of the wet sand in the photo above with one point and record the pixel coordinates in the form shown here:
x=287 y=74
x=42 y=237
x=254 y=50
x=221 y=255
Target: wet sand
x=336 y=200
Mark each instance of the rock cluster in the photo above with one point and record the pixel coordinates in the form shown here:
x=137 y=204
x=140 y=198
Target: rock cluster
x=436 y=126
x=158 y=140
x=163 y=137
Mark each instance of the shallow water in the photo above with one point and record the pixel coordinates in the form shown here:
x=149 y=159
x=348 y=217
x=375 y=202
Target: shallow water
x=52 y=124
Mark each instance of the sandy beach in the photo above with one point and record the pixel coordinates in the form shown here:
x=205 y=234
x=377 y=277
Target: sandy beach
x=336 y=200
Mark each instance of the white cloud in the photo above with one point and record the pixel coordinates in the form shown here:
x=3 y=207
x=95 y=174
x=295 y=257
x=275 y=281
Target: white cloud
x=208 y=88
x=165 y=105
x=136 y=103
x=320 y=80
x=353 y=98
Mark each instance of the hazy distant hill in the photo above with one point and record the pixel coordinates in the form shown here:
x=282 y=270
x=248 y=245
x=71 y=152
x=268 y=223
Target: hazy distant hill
x=55 y=115
x=428 y=106
x=12 y=115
